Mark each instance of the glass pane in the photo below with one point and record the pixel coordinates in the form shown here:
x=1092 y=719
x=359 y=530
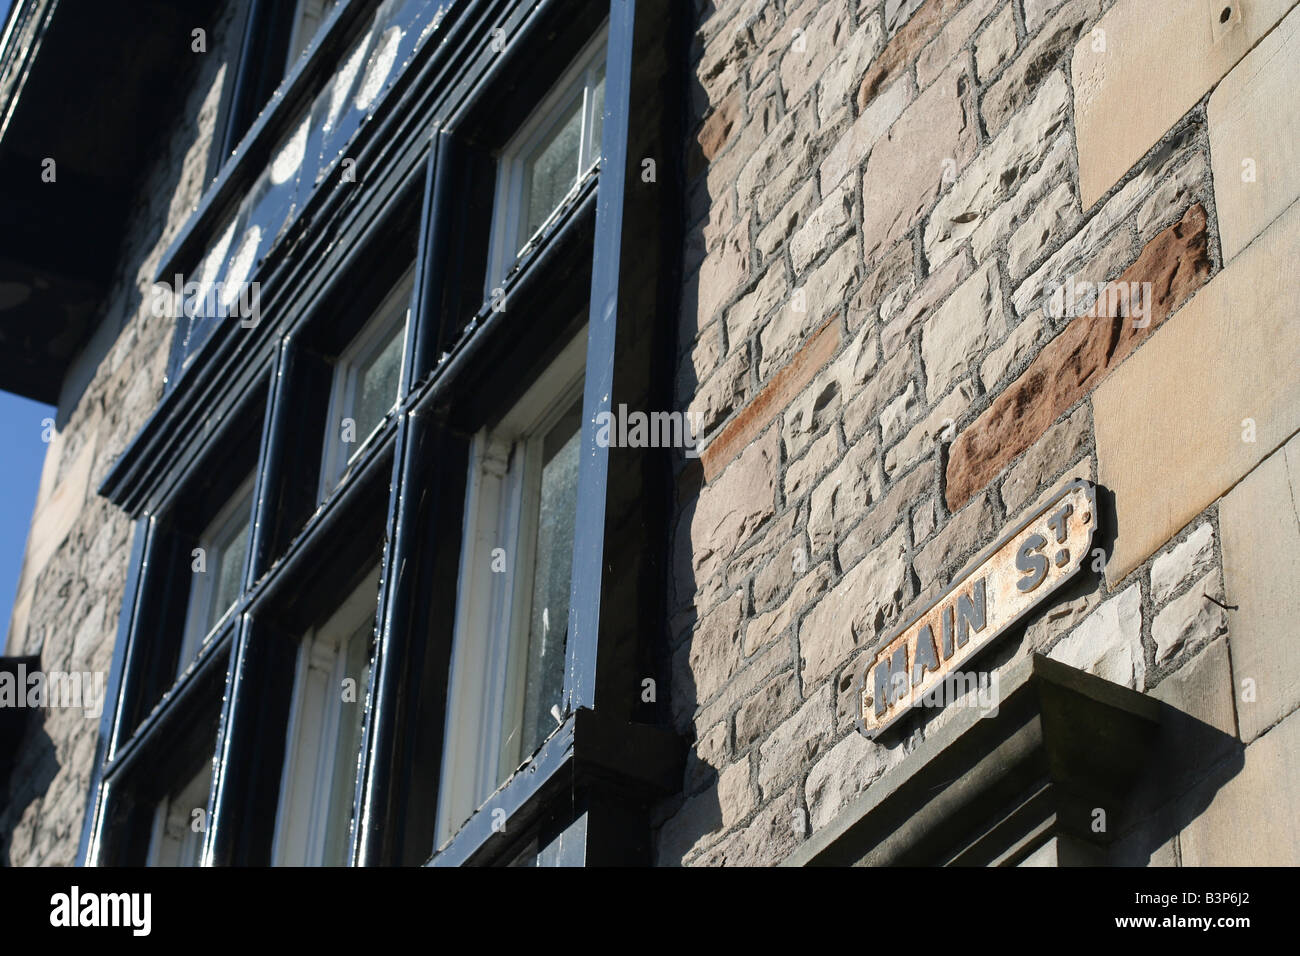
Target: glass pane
x=176 y=842
x=230 y=572
x=347 y=747
x=377 y=381
x=551 y=172
x=549 y=623
x=597 y=120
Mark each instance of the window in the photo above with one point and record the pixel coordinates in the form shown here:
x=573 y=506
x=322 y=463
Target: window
x=324 y=737
x=175 y=840
x=544 y=163
x=218 y=579
x=366 y=383
x=512 y=610
x=308 y=18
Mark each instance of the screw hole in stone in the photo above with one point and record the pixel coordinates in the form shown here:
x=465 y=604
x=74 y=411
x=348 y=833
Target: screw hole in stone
x=1227 y=12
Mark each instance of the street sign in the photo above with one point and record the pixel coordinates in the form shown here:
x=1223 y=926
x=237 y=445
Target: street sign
x=918 y=665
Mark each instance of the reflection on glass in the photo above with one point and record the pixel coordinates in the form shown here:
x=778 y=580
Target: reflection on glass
x=377 y=382
x=552 y=171
x=347 y=749
x=229 y=572
x=548 y=626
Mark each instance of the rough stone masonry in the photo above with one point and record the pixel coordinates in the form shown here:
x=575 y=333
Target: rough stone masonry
x=884 y=197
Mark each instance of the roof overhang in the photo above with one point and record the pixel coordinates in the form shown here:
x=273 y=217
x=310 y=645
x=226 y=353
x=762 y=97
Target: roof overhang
x=91 y=85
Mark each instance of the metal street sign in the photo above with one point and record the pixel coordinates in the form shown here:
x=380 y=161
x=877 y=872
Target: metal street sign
x=918 y=663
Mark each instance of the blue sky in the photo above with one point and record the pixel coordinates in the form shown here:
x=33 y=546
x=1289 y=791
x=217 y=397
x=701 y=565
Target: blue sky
x=24 y=452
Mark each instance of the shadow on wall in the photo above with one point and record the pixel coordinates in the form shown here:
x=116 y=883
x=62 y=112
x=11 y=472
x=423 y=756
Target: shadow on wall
x=28 y=782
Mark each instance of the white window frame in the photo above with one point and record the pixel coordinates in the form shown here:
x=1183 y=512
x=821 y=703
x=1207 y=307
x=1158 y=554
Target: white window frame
x=164 y=848
x=316 y=712
x=481 y=743
x=510 y=203
x=393 y=314
x=235 y=514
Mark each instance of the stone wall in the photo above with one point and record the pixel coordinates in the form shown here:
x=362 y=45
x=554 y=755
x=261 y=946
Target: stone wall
x=884 y=197
x=78 y=548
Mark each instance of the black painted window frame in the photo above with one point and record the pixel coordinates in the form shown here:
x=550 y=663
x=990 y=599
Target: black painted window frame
x=585 y=795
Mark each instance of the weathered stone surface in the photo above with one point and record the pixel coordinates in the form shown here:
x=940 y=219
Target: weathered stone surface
x=767 y=840
x=1039 y=57
x=770 y=401
x=871 y=124
x=1261 y=565
x=819 y=403
x=1176 y=262
x=891 y=379
x=726 y=513
x=1238 y=331
x=722 y=272
x=898 y=414
x=722 y=392
x=754 y=674
x=1113 y=127
x=903 y=47
x=766 y=628
x=1185 y=185
x=938 y=426
x=960 y=330
x=1108 y=225
x=780 y=534
x=796 y=743
x=1109 y=642
x=1191 y=619
x=967 y=532
x=821 y=294
x=1254 y=121
x=1015 y=348
x=770 y=705
x=707 y=754
x=715 y=132
x=1202 y=688
x=838 y=86
x=846 y=770
x=1251 y=820
x=925 y=518
x=1046 y=459
x=999 y=168
x=1036 y=12
x=856 y=611
x=746 y=315
x=793 y=214
x=800 y=474
x=996 y=44
x=884 y=517
x=823 y=227
x=707 y=815
x=892 y=272
x=845 y=493
x=824 y=30
x=1182 y=564
x=900 y=325
x=1051 y=220
x=1060 y=616
x=939 y=52
x=933 y=139
x=711 y=656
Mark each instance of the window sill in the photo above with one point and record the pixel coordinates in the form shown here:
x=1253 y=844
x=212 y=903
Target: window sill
x=638 y=760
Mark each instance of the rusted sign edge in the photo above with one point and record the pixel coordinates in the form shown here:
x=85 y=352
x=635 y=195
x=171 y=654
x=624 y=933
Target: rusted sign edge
x=859 y=682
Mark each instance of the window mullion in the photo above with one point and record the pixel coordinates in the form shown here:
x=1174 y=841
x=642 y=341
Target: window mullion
x=593 y=470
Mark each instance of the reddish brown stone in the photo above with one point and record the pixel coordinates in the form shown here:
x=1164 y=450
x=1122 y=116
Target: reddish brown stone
x=905 y=47
x=717 y=128
x=1176 y=263
x=775 y=396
